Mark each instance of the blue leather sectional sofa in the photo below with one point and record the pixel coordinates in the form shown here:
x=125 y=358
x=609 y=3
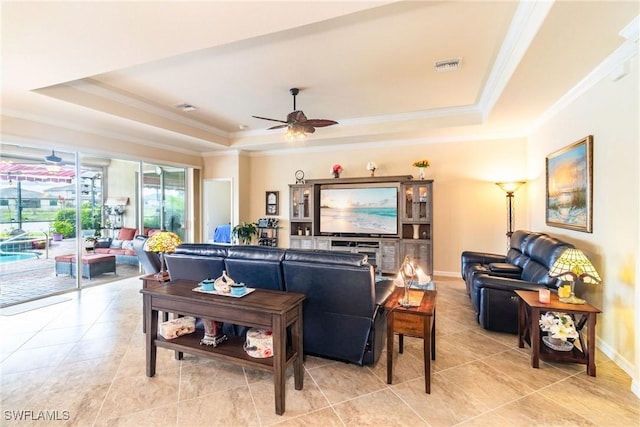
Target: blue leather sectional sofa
x=343 y=313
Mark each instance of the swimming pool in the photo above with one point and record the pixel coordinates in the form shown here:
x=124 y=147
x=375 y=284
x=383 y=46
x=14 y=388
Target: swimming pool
x=16 y=257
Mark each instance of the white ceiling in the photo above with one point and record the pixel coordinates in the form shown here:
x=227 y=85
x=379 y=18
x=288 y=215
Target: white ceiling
x=118 y=69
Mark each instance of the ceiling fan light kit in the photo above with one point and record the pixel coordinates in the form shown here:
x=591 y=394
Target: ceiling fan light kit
x=297 y=124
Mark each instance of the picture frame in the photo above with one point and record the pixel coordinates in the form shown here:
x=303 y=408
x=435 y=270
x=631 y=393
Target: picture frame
x=569 y=186
x=271 y=202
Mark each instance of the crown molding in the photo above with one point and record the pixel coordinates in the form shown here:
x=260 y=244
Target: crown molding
x=526 y=22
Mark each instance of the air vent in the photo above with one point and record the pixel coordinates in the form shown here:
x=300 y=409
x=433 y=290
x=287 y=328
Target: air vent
x=186 y=107
x=448 y=65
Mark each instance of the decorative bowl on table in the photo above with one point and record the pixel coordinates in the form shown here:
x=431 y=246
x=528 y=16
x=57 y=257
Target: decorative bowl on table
x=207 y=285
x=238 y=289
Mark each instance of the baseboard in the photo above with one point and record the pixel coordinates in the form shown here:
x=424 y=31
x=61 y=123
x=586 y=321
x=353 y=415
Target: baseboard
x=622 y=363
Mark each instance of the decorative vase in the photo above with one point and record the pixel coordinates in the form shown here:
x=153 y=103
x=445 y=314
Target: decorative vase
x=223 y=283
x=336 y=175
x=416 y=231
x=421 y=173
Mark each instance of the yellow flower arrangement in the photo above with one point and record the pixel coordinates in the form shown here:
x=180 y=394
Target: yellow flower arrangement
x=164 y=241
x=421 y=164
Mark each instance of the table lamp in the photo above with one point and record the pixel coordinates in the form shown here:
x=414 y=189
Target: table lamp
x=162 y=243
x=574 y=266
x=410 y=272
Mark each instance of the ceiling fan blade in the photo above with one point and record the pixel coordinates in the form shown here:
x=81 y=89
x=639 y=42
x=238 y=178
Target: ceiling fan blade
x=278 y=127
x=309 y=129
x=319 y=123
x=266 y=118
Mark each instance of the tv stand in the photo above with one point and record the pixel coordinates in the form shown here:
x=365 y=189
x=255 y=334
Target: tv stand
x=415 y=228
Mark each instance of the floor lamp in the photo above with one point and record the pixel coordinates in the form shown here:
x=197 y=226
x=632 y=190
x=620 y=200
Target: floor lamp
x=510 y=188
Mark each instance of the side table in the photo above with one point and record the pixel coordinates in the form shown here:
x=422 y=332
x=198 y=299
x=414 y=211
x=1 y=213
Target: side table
x=146 y=281
x=418 y=321
x=529 y=310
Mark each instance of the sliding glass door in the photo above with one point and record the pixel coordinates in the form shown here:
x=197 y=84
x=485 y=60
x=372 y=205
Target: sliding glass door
x=163 y=198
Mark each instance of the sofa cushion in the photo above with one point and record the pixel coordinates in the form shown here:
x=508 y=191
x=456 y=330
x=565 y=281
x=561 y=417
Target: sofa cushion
x=256 y=266
x=116 y=244
x=103 y=242
x=127 y=233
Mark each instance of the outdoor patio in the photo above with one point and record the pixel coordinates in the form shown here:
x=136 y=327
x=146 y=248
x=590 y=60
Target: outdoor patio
x=26 y=280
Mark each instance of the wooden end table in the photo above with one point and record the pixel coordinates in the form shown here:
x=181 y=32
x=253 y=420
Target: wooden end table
x=273 y=310
x=146 y=280
x=418 y=321
x=529 y=310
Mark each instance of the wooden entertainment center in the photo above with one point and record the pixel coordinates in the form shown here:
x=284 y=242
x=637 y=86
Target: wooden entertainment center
x=414 y=235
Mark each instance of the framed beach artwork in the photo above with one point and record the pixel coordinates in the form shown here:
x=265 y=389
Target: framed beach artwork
x=570 y=186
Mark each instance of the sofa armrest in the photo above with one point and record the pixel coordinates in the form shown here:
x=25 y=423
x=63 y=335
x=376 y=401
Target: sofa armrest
x=468 y=258
x=384 y=289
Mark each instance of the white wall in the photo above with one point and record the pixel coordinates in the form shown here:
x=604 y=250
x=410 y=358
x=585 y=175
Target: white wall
x=609 y=111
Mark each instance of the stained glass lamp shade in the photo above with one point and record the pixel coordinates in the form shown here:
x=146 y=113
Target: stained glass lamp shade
x=574 y=266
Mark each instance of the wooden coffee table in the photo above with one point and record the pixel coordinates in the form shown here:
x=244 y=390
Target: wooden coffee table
x=273 y=310
x=418 y=321
x=529 y=310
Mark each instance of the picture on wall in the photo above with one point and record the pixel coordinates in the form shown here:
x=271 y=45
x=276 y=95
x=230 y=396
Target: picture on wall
x=570 y=186
x=271 y=203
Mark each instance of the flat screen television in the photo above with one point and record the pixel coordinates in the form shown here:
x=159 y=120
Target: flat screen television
x=359 y=210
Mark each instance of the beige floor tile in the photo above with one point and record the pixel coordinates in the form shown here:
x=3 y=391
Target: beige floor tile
x=227 y=408
x=518 y=366
x=135 y=394
x=208 y=378
x=446 y=405
x=381 y=408
x=533 y=410
x=156 y=417
x=297 y=402
x=343 y=381
x=326 y=417
x=477 y=378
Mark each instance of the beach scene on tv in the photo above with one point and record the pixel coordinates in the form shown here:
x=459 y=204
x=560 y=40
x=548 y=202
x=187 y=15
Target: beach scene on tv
x=359 y=210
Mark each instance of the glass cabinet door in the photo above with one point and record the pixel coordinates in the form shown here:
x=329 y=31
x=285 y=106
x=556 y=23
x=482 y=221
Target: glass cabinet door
x=301 y=202
x=416 y=202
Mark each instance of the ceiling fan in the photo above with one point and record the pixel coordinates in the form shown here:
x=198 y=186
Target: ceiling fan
x=297 y=123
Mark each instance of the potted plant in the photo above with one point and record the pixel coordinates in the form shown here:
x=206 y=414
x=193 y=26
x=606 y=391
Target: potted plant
x=244 y=232
x=61 y=228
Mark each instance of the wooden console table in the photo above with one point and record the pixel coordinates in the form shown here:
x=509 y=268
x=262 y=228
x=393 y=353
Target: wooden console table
x=273 y=310
x=419 y=321
x=146 y=280
x=529 y=310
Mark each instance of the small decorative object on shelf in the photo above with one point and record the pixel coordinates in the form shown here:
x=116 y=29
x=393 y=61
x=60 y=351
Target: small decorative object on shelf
x=559 y=326
x=299 y=177
x=162 y=242
x=422 y=165
x=371 y=167
x=259 y=343
x=336 y=170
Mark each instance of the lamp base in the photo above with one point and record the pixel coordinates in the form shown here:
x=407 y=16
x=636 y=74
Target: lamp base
x=572 y=300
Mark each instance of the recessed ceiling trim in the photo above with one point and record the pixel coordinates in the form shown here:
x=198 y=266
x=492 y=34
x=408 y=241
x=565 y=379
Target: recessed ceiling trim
x=524 y=26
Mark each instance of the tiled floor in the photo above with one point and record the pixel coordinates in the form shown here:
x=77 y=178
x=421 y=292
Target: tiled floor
x=84 y=360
